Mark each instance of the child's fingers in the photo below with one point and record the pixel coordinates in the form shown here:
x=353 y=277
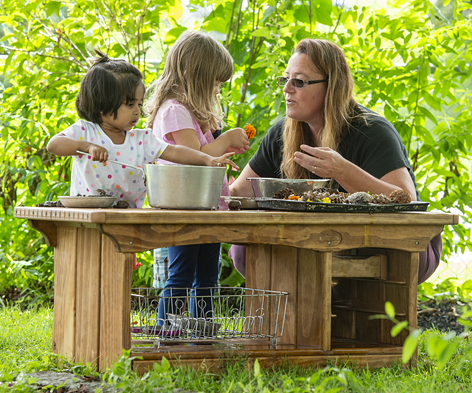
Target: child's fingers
x=232 y=164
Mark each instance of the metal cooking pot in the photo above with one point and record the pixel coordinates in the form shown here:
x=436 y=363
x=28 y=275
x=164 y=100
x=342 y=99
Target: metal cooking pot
x=181 y=186
x=184 y=186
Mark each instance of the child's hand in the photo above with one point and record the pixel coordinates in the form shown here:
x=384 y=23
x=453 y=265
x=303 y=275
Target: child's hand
x=238 y=139
x=98 y=153
x=223 y=160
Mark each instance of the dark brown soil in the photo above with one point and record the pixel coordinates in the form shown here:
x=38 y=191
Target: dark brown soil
x=441 y=314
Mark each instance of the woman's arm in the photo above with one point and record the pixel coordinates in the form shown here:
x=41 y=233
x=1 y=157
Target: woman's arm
x=242 y=187
x=327 y=163
x=235 y=138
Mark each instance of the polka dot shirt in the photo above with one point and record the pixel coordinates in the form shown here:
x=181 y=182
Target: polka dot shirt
x=139 y=148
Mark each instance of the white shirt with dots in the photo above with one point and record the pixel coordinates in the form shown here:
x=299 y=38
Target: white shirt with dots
x=140 y=147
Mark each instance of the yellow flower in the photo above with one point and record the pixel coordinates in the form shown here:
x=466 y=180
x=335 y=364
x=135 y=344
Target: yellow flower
x=326 y=200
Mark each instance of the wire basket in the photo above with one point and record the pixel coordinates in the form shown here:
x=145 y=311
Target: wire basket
x=207 y=313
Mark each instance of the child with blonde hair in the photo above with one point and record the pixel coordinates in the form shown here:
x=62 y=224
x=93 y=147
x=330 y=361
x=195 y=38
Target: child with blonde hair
x=184 y=110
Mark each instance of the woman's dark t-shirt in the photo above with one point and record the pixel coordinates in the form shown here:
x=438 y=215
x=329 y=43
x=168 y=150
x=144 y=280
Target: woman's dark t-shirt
x=375 y=147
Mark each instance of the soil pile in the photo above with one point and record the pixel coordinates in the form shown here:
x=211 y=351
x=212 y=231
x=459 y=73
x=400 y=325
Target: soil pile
x=441 y=314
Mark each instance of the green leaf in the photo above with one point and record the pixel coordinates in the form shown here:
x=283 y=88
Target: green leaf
x=378 y=42
x=257 y=368
x=442 y=348
x=321 y=10
x=8 y=61
x=409 y=347
x=173 y=34
x=398 y=328
x=264 y=32
x=390 y=310
x=165 y=364
x=267 y=12
x=277 y=102
x=53 y=7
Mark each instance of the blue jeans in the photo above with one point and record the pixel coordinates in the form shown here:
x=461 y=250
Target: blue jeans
x=191 y=266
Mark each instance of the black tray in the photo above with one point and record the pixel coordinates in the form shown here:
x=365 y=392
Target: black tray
x=299 y=206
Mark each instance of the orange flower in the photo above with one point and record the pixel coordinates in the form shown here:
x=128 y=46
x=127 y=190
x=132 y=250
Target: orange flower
x=294 y=197
x=250 y=131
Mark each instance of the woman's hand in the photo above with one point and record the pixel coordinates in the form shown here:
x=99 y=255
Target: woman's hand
x=328 y=164
x=222 y=161
x=322 y=161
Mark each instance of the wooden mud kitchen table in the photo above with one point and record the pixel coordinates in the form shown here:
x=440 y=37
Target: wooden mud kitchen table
x=338 y=268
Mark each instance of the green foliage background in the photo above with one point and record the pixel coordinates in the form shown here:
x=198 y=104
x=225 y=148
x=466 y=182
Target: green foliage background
x=410 y=62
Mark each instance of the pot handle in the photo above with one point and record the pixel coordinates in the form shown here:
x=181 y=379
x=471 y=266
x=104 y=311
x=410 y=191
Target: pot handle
x=121 y=163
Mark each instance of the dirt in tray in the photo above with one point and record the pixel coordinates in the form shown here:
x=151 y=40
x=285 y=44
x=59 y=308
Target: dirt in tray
x=327 y=195
x=441 y=314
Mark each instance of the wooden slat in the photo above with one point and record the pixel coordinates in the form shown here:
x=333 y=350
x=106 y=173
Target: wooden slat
x=258 y=267
x=314 y=299
x=136 y=238
x=65 y=278
x=258 y=257
x=405 y=265
x=158 y=216
x=88 y=296
x=284 y=278
x=369 y=267
x=344 y=325
x=211 y=359
x=60 y=214
x=115 y=303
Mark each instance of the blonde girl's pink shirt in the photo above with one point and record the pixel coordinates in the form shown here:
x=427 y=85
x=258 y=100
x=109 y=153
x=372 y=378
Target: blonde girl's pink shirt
x=173 y=116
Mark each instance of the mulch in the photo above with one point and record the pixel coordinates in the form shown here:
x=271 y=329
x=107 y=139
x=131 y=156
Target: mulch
x=441 y=314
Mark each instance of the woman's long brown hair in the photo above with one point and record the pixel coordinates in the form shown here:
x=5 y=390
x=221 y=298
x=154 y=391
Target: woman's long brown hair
x=340 y=108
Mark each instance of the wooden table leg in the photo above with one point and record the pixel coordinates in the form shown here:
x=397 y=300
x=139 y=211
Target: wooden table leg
x=306 y=275
x=314 y=298
x=65 y=274
x=87 y=333
x=115 y=303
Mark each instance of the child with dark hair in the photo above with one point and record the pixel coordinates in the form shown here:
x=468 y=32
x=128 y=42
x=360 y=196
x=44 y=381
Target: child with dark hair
x=109 y=103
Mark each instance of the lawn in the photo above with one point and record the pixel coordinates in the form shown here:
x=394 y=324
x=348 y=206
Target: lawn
x=25 y=347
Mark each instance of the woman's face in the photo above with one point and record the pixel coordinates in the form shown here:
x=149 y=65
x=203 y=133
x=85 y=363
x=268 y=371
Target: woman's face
x=304 y=104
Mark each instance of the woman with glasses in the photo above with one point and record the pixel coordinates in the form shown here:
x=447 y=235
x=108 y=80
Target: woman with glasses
x=327 y=134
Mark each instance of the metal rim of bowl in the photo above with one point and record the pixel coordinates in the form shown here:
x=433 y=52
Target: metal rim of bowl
x=90 y=201
x=288 y=180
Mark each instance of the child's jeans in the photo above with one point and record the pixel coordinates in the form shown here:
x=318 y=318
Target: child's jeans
x=190 y=266
x=161 y=267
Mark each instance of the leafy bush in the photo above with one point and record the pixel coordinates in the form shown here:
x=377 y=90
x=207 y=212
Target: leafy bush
x=410 y=63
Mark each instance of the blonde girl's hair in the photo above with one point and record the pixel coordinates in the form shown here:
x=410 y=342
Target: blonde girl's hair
x=193 y=66
x=340 y=108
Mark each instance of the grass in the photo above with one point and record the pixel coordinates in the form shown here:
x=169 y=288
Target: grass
x=25 y=347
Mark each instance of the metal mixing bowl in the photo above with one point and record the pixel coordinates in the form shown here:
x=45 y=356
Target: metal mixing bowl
x=266 y=187
x=184 y=186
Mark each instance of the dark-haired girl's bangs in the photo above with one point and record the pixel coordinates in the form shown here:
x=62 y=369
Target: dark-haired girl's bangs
x=129 y=86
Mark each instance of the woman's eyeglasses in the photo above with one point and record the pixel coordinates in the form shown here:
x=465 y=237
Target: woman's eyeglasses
x=299 y=83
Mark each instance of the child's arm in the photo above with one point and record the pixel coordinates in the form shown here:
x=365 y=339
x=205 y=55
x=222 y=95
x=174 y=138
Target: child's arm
x=236 y=139
x=187 y=156
x=61 y=145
